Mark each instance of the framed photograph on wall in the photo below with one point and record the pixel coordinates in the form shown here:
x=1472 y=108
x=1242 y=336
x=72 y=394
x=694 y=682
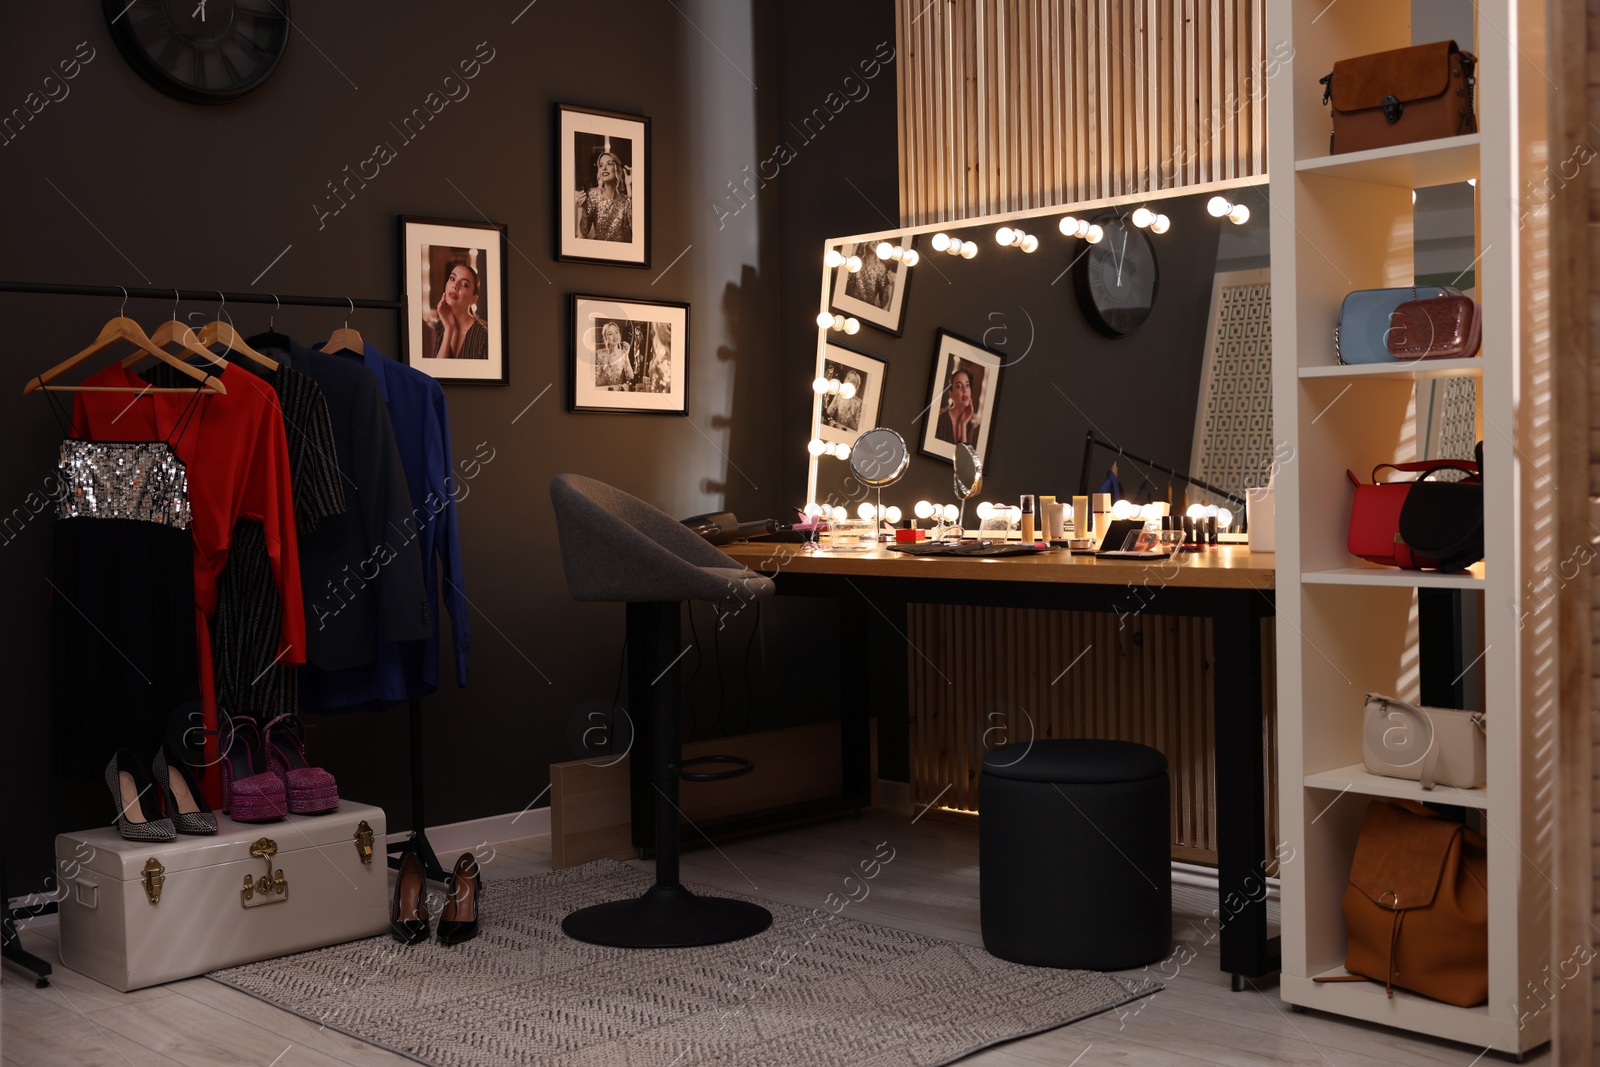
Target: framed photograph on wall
x=843 y=419
x=876 y=293
x=602 y=187
x=454 y=276
x=966 y=380
x=629 y=355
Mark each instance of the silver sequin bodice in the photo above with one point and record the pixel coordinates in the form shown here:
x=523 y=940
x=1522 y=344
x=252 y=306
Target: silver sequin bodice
x=141 y=480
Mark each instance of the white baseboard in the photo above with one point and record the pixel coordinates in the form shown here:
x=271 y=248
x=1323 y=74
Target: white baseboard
x=475 y=833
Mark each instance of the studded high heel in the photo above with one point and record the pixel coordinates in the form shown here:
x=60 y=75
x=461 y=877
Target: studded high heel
x=139 y=815
x=186 y=807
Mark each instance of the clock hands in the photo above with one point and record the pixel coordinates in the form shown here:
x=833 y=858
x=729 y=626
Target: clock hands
x=1124 y=258
x=200 y=9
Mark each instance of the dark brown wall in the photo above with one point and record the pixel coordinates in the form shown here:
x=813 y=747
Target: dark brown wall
x=114 y=183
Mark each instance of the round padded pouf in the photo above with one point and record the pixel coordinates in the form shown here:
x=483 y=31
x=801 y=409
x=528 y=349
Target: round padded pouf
x=1074 y=854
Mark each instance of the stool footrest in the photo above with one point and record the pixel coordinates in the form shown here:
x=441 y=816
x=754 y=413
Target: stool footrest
x=740 y=765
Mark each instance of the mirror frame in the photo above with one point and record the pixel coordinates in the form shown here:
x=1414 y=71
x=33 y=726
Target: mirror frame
x=1081 y=207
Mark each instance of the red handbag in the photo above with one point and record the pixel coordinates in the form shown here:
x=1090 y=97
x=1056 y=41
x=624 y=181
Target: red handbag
x=1375 y=516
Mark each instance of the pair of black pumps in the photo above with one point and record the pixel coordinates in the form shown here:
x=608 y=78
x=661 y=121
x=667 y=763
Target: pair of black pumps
x=458 y=922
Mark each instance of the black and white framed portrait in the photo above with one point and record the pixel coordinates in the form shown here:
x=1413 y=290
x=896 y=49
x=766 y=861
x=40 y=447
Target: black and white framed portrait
x=876 y=293
x=454 y=276
x=841 y=418
x=629 y=355
x=961 y=398
x=602 y=187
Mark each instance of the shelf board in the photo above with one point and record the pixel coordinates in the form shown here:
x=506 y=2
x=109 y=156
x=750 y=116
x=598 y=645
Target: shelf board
x=1367 y=1000
x=1356 y=779
x=1391 y=577
x=1408 y=166
x=1410 y=371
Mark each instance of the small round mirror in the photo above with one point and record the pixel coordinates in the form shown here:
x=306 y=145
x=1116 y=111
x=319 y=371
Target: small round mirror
x=879 y=457
x=969 y=471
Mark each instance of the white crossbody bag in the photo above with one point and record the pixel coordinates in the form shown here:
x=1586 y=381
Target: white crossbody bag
x=1432 y=746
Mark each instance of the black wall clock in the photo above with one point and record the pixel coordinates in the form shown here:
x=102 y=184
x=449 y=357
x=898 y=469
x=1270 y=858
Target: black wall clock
x=201 y=51
x=1117 y=278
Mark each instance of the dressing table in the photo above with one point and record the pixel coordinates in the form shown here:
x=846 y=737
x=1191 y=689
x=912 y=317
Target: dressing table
x=1226 y=584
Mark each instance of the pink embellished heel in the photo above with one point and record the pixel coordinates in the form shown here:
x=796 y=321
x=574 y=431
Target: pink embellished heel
x=248 y=795
x=311 y=790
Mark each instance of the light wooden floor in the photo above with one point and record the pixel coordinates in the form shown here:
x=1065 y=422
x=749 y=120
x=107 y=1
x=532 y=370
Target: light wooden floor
x=930 y=887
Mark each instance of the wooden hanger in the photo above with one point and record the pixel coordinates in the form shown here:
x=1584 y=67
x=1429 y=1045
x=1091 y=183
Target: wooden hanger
x=345 y=339
x=123 y=329
x=174 y=330
x=222 y=332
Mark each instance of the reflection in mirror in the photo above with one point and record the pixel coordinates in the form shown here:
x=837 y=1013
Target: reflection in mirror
x=968 y=480
x=879 y=457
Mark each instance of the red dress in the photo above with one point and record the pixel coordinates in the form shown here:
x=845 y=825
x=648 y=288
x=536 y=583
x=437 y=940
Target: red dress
x=238 y=467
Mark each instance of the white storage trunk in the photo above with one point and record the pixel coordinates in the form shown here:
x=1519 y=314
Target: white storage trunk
x=137 y=914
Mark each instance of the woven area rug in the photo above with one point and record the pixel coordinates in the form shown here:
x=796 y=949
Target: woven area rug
x=814 y=989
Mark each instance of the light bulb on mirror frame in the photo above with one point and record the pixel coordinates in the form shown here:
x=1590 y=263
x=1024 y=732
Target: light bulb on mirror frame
x=1068 y=226
x=853 y=264
x=1123 y=509
x=1013 y=514
x=820 y=386
x=852 y=325
x=839 y=514
x=1003 y=235
x=922 y=509
x=811 y=510
x=1143 y=217
x=1082 y=228
x=866 y=511
x=1161 y=224
x=1196 y=512
x=884 y=250
x=1030 y=243
x=1224 y=519
x=968 y=249
x=892 y=514
x=847 y=390
x=824 y=320
x=816 y=447
x=985 y=511
x=832 y=258
x=950 y=512
x=838 y=322
x=1218 y=206
x=940 y=242
x=911 y=258
x=1095 y=235
x=1239 y=215
x=843 y=451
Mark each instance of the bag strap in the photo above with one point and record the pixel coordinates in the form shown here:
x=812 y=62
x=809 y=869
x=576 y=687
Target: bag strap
x=1427 y=466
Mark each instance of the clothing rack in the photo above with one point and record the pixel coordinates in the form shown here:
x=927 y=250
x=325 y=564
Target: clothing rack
x=1090 y=442
x=418 y=840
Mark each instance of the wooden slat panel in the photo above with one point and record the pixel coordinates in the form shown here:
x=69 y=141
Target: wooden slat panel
x=993 y=675
x=1014 y=104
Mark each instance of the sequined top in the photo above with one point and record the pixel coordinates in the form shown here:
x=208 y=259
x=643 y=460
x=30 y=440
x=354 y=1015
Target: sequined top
x=141 y=480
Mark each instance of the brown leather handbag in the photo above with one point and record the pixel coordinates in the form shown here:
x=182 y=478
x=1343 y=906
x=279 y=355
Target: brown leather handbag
x=1417 y=908
x=1405 y=95
x=1440 y=327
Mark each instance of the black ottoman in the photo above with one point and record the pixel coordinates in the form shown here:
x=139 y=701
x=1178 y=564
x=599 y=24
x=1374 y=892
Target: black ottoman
x=1074 y=854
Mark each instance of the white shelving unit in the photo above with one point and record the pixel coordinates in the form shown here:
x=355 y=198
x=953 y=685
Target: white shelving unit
x=1344 y=222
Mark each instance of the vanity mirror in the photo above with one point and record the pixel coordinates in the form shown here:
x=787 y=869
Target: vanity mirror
x=968 y=480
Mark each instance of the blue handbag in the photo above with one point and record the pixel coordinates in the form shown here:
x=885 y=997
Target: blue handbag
x=1365 y=317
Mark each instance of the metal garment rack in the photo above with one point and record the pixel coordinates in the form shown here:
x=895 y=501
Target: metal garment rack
x=1090 y=442
x=418 y=840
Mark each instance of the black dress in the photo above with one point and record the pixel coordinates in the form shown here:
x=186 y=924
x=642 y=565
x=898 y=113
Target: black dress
x=123 y=607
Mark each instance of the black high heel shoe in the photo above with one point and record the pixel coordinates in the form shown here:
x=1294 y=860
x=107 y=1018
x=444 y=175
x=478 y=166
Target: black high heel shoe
x=188 y=810
x=139 y=816
x=408 y=913
x=459 y=920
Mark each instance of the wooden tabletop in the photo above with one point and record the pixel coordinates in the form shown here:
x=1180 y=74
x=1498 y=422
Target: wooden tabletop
x=1223 y=567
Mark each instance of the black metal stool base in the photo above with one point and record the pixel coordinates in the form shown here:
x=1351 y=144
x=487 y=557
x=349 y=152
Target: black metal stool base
x=667 y=917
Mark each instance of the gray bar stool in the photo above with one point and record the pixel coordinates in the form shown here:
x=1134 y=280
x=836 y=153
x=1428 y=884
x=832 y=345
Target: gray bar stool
x=616 y=547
